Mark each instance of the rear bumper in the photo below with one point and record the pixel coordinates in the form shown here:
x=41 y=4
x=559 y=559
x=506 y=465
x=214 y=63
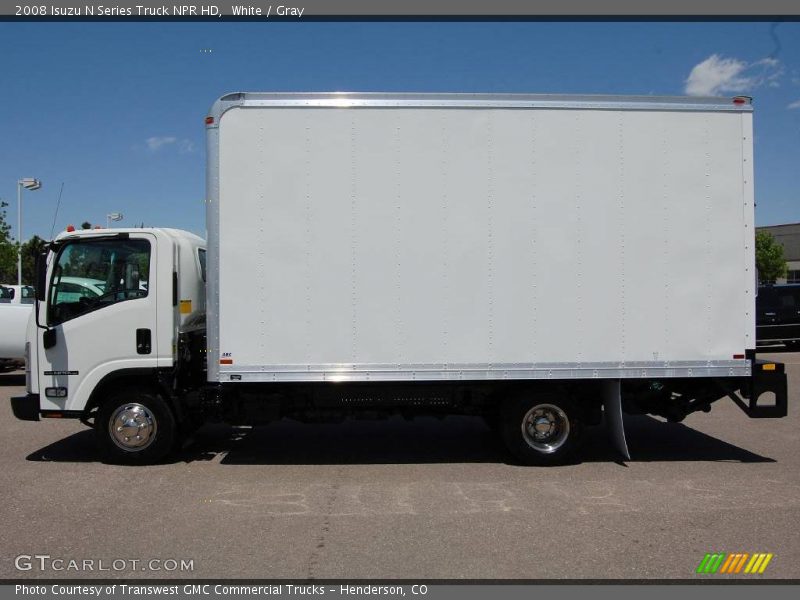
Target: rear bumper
x=26 y=408
x=769 y=377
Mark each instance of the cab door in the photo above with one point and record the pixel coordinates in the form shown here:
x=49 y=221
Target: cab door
x=101 y=315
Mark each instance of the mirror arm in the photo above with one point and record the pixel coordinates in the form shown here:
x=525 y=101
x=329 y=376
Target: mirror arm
x=40 y=294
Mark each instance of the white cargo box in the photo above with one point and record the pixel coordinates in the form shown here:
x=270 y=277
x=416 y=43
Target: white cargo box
x=374 y=237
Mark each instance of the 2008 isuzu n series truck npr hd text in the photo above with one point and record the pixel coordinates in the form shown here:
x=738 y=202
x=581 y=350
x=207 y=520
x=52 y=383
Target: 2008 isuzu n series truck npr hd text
x=546 y=262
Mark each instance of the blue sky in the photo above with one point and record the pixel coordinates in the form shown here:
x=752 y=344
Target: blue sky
x=115 y=110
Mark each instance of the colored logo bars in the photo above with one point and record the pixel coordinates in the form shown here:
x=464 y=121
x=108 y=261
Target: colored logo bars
x=738 y=562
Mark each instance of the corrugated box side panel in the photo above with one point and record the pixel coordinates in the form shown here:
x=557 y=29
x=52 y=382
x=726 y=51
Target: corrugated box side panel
x=437 y=236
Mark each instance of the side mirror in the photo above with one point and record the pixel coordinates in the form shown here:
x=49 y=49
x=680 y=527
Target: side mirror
x=41 y=277
x=49 y=338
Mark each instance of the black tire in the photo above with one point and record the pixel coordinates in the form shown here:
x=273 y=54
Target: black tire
x=145 y=412
x=557 y=446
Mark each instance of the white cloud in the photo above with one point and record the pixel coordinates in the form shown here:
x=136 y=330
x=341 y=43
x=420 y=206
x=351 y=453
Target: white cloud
x=795 y=104
x=156 y=143
x=719 y=75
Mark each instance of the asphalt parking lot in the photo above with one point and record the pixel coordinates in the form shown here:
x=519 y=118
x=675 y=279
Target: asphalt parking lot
x=424 y=499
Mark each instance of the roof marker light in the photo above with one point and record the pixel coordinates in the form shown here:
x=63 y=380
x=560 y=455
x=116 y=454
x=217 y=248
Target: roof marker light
x=209 y=120
x=70 y=228
x=739 y=100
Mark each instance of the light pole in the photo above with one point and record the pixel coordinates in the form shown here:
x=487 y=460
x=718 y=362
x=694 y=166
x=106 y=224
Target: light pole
x=113 y=217
x=29 y=183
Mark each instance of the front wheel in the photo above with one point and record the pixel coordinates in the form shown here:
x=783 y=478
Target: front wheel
x=135 y=428
x=541 y=428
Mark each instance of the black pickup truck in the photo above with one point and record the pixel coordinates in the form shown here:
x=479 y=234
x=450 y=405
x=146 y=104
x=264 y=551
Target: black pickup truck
x=778 y=315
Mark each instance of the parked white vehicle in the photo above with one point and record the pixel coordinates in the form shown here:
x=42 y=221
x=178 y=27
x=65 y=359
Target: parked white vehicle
x=71 y=289
x=13 y=329
x=541 y=261
x=16 y=294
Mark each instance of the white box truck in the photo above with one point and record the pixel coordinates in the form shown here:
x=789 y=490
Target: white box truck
x=542 y=261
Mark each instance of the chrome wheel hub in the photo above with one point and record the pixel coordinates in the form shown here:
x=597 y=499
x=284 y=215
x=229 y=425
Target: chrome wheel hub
x=132 y=427
x=545 y=428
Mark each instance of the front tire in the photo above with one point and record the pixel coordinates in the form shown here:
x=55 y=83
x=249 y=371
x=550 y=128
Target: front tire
x=541 y=428
x=135 y=428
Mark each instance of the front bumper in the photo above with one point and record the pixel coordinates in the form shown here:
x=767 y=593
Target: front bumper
x=26 y=408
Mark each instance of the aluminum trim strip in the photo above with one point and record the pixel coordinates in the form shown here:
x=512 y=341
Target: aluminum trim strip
x=468 y=372
x=410 y=100
x=212 y=246
x=386 y=100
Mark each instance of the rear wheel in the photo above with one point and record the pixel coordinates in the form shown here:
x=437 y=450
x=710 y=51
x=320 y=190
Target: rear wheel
x=135 y=427
x=541 y=428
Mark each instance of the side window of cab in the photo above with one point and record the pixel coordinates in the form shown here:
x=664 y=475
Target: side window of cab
x=93 y=274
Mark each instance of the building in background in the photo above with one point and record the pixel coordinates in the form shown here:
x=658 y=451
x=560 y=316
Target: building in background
x=788 y=236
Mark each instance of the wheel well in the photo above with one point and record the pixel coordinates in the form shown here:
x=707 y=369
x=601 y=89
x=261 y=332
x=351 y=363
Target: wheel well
x=586 y=396
x=141 y=379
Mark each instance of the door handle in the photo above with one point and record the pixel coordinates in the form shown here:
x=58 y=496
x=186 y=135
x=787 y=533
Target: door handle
x=143 y=341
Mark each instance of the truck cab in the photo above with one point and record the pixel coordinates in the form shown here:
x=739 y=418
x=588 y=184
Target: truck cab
x=110 y=304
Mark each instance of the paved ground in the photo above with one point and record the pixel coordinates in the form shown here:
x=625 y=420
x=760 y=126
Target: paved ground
x=425 y=499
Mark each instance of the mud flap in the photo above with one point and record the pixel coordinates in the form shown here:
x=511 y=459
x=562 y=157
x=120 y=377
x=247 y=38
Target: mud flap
x=612 y=409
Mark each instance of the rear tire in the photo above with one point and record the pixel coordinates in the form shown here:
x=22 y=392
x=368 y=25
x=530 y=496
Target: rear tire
x=135 y=428
x=541 y=428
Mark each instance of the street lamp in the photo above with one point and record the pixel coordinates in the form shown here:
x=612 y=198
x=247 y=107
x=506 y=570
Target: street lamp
x=112 y=217
x=29 y=183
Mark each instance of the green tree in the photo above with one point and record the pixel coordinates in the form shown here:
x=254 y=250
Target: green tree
x=769 y=258
x=8 y=249
x=30 y=253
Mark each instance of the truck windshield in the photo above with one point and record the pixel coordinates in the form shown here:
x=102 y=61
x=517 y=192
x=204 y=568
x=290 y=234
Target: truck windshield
x=90 y=275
